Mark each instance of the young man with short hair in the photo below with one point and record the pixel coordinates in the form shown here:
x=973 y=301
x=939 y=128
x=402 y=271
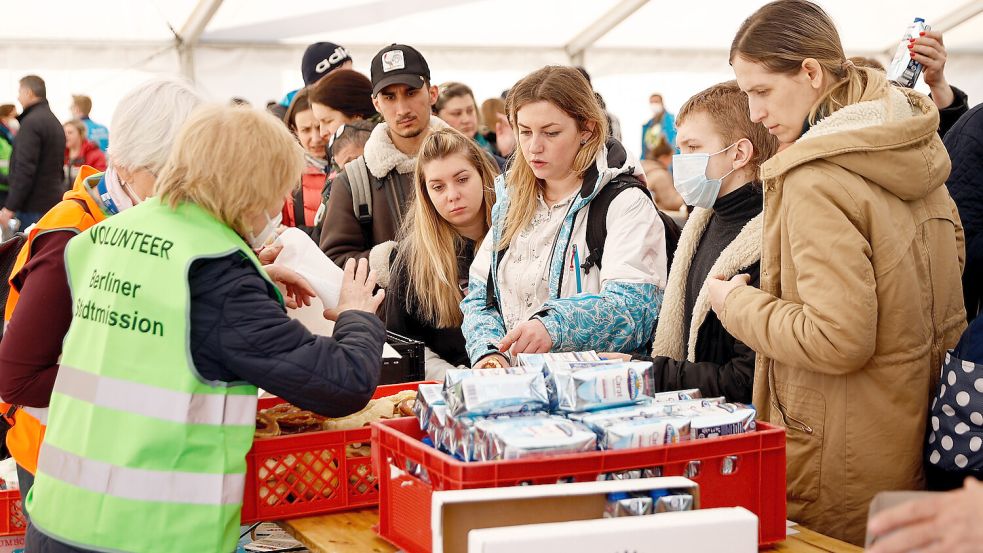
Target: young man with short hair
x=402 y=93
x=716 y=171
x=81 y=108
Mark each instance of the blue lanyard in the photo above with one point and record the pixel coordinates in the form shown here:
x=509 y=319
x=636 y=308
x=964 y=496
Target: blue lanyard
x=107 y=200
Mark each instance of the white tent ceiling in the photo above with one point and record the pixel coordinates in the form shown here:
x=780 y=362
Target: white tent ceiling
x=252 y=48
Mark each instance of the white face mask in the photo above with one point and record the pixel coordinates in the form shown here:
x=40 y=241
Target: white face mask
x=268 y=234
x=689 y=176
x=657 y=108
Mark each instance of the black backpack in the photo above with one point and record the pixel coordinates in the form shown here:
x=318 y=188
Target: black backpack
x=9 y=250
x=597 y=229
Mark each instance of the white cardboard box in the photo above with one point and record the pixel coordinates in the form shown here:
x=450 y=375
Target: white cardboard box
x=733 y=529
x=456 y=512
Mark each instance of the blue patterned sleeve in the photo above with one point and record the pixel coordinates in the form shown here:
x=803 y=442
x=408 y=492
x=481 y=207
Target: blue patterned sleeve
x=619 y=319
x=483 y=326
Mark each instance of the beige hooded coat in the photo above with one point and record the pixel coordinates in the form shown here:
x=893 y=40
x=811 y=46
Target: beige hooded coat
x=862 y=251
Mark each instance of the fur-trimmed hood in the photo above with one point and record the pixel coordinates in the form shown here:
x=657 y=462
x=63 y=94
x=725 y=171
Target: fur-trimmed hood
x=742 y=252
x=381 y=156
x=889 y=120
x=381 y=260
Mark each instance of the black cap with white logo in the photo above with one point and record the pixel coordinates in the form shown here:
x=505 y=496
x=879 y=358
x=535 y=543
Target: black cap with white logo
x=320 y=59
x=399 y=64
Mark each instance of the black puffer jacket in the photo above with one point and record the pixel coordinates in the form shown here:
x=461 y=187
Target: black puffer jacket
x=949 y=115
x=37 y=177
x=964 y=142
x=238 y=333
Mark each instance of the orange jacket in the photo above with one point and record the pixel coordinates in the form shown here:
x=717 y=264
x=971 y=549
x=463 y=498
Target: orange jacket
x=76 y=212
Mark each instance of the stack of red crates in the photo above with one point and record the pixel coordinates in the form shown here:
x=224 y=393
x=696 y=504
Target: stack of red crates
x=745 y=470
x=312 y=473
x=12 y=521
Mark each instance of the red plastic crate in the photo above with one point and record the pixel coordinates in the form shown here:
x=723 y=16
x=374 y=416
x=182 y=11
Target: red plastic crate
x=312 y=473
x=12 y=521
x=756 y=483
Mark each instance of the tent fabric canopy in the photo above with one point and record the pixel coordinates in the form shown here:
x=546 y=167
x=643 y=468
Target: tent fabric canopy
x=252 y=48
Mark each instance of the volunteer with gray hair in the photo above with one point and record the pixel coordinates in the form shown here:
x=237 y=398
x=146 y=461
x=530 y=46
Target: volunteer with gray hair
x=39 y=307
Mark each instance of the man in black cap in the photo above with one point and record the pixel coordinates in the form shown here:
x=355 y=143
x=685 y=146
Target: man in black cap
x=382 y=178
x=320 y=59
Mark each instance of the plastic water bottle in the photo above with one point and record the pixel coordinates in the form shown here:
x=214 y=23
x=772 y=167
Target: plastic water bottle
x=903 y=69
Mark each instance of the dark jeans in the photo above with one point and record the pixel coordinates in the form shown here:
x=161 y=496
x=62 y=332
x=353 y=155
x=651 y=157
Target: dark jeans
x=38 y=542
x=28 y=218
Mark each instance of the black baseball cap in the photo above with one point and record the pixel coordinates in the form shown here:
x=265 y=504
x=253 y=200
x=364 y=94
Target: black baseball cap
x=399 y=64
x=320 y=59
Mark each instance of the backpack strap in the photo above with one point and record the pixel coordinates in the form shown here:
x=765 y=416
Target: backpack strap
x=597 y=229
x=673 y=232
x=491 y=301
x=300 y=218
x=358 y=180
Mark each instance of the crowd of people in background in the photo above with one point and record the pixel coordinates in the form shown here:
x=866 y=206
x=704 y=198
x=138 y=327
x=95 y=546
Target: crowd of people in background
x=805 y=238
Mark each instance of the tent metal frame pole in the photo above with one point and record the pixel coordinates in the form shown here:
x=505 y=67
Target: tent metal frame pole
x=585 y=39
x=191 y=32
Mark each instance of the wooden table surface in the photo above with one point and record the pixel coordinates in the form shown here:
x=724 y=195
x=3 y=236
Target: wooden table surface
x=352 y=532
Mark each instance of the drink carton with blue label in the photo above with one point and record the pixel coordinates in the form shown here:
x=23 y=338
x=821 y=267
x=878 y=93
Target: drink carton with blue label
x=904 y=70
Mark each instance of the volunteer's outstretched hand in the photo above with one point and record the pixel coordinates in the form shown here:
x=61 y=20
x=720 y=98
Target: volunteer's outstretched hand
x=357 y=288
x=527 y=337
x=951 y=523
x=299 y=291
x=929 y=51
x=269 y=253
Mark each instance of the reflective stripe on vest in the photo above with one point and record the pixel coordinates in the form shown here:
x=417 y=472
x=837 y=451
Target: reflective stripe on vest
x=157 y=403
x=139 y=445
x=141 y=484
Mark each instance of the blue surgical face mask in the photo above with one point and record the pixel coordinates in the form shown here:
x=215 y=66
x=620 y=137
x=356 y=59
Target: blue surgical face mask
x=689 y=176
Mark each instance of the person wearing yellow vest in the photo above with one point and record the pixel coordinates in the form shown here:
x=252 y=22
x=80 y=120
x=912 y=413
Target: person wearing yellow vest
x=38 y=309
x=175 y=324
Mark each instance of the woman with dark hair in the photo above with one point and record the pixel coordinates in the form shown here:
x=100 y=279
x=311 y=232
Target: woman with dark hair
x=340 y=98
x=302 y=206
x=343 y=98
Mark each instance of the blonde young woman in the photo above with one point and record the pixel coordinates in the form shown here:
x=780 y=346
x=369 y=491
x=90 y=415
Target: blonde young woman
x=862 y=249
x=534 y=286
x=455 y=192
x=174 y=326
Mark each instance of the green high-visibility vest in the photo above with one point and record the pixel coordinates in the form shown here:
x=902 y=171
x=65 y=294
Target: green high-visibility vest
x=141 y=453
x=6 y=150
